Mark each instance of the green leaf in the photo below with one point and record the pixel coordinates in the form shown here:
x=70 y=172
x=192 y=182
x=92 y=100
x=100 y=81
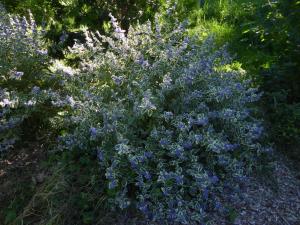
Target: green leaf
x=10 y=216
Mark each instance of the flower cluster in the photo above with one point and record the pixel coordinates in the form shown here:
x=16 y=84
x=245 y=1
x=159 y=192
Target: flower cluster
x=170 y=125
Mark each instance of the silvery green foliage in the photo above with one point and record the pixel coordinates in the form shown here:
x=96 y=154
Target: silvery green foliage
x=170 y=125
x=23 y=60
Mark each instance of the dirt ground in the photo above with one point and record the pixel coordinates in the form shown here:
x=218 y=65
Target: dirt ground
x=21 y=174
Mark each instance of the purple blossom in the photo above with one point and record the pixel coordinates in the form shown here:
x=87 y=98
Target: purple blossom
x=112 y=184
x=196 y=94
x=42 y=52
x=205 y=194
x=218 y=206
x=119 y=33
x=109 y=173
x=228 y=113
x=201 y=121
x=189 y=79
x=70 y=101
x=93 y=132
x=141 y=61
x=118 y=80
x=143 y=206
x=181 y=126
x=187 y=145
x=35 y=90
x=230 y=147
x=223 y=160
x=199 y=138
x=133 y=164
x=179 y=179
x=165 y=191
x=168 y=115
x=147 y=175
x=63 y=37
x=213 y=114
x=148 y=154
x=163 y=142
x=225 y=92
x=256 y=131
x=214 y=179
x=18 y=75
x=172 y=214
x=140 y=181
x=6 y=102
x=179 y=152
x=239 y=86
x=100 y=155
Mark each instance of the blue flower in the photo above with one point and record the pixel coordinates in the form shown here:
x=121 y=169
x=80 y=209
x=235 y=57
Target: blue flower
x=93 y=132
x=18 y=75
x=163 y=142
x=199 y=138
x=201 y=121
x=112 y=184
x=181 y=126
x=147 y=175
x=109 y=173
x=143 y=206
x=148 y=154
x=168 y=115
x=179 y=152
x=172 y=214
x=214 y=179
x=230 y=147
x=42 y=52
x=179 y=179
x=218 y=206
x=165 y=191
x=205 y=194
x=223 y=160
x=187 y=145
x=100 y=155
x=224 y=93
x=133 y=164
x=118 y=80
x=35 y=90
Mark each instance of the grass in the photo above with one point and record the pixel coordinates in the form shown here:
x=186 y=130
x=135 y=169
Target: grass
x=228 y=22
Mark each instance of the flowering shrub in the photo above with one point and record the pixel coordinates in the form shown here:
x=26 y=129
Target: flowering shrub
x=23 y=64
x=169 y=119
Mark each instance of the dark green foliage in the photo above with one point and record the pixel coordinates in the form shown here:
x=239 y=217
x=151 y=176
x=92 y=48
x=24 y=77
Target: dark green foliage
x=65 y=19
x=265 y=36
x=276 y=33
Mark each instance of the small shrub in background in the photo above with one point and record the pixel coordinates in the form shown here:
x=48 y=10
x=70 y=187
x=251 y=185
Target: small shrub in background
x=170 y=120
x=66 y=19
x=25 y=84
x=279 y=34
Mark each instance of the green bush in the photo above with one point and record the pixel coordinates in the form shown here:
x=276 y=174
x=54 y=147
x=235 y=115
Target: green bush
x=66 y=19
x=276 y=32
x=170 y=119
x=265 y=37
x=25 y=84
